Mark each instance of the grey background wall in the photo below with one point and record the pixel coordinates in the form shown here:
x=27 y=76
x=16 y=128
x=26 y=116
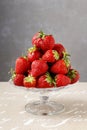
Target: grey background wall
x=20 y=19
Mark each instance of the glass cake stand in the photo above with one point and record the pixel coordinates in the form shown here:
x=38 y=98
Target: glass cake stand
x=44 y=106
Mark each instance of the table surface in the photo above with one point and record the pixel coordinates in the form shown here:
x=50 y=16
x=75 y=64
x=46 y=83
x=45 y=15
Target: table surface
x=14 y=117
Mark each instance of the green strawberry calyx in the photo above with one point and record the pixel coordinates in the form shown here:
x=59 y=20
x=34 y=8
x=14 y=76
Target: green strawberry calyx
x=66 y=58
x=13 y=74
x=29 y=79
x=56 y=55
x=32 y=49
x=24 y=56
x=49 y=79
x=72 y=73
x=41 y=35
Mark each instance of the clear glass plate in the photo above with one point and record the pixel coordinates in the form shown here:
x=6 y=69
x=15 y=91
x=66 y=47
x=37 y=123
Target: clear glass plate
x=43 y=106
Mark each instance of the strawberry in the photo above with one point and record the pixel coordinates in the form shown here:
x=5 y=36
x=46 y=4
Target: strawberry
x=22 y=65
x=38 y=67
x=60 y=49
x=48 y=43
x=18 y=79
x=33 y=54
x=50 y=56
x=37 y=40
x=29 y=81
x=62 y=80
x=45 y=81
x=73 y=75
x=62 y=65
x=43 y=41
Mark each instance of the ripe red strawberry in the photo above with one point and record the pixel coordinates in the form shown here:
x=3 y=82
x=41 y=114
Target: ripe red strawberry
x=38 y=67
x=43 y=41
x=37 y=39
x=60 y=67
x=22 y=65
x=60 y=49
x=62 y=80
x=45 y=81
x=33 y=54
x=29 y=81
x=48 y=43
x=50 y=56
x=18 y=79
x=73 y=75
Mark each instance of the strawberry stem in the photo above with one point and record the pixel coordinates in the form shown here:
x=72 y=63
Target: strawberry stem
x=32 y=49
x=41 y=34
x=49 y=78
x=65 y=55
x=66 y=58
x=56 y=55
x=71 y=74
x=29 y=79
x=24 y=56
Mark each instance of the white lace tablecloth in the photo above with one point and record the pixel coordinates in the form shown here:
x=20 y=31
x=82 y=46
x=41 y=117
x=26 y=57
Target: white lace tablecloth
x=14 y=117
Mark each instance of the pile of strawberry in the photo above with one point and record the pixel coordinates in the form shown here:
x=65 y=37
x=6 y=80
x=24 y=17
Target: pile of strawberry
x=45 y=65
